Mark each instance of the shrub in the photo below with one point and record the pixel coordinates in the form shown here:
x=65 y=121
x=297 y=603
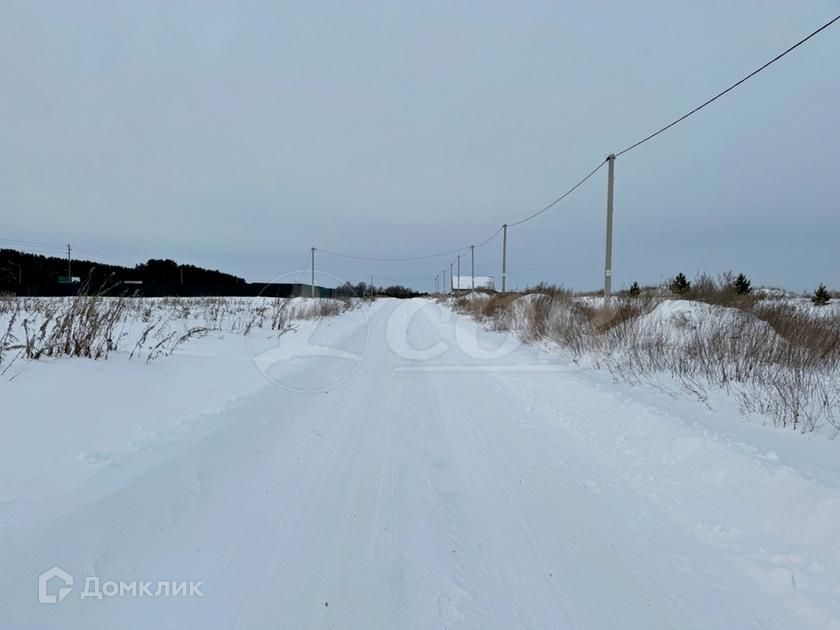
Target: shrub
x=775 y=357
x=680 y=284
x=93 y=326
x=742 y=285
x=821 y=296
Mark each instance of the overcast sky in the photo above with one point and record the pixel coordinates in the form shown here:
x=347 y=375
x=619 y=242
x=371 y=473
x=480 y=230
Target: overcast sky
x=236 y=135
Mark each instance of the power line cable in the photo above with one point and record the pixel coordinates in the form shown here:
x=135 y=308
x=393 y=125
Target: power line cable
x=304 y=268
x=404 y=259
x=482 y=243
x=559 y=199
x=487 y=240
x=36 y=243
x=597 y=168
x=729 y=89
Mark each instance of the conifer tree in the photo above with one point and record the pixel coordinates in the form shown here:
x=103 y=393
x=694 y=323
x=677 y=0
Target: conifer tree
x=821 y=296
x=680 y=284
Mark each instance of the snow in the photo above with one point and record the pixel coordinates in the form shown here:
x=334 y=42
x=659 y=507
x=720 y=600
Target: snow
x=678 y=320
x=398 y=466
x=476 y=296
x=466 y=282
x=805 y=305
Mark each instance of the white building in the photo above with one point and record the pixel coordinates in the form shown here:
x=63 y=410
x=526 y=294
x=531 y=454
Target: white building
x=462 y=284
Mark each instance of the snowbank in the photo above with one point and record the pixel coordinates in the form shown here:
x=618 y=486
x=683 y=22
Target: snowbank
x=754 y=498
x=680 y=320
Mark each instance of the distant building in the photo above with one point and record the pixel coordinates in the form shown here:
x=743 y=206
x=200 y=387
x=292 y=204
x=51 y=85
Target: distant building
x=464 y=284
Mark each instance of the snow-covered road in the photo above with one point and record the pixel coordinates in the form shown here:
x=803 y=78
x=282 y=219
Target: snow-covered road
x=447 y=477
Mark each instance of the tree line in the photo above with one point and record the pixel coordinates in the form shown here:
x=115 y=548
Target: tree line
x=21 y=269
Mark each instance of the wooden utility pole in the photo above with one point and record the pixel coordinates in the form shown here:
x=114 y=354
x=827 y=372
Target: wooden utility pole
x=459 y=272
x=313 y=272
x=504 y=255
x=451 y=279
x=69 y=266
x=608 y=257
x=472 y=256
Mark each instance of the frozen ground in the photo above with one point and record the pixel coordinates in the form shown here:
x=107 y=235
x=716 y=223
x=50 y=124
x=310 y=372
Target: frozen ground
x=400 y=467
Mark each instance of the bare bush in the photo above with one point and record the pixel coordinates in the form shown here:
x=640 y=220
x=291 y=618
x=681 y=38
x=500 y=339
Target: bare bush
x=93 y=326
x=82 y=326
x=778 y=359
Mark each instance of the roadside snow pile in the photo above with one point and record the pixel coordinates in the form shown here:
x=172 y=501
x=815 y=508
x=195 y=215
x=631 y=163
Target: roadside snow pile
x=680 y=321
x=777 y=358
x=766 y=505
x=593 y=301
x=476 y=296
x=307 y=308
x=782 y=365
x=684 y=315
x=830 y=311
x=523 y=308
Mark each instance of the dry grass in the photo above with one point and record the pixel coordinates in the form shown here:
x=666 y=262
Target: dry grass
x=94 y=326
x=778 y=359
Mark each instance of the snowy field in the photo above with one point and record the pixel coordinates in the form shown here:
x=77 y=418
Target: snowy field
x=394 y=465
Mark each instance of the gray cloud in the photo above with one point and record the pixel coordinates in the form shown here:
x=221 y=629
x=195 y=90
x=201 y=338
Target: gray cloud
x=237 y=135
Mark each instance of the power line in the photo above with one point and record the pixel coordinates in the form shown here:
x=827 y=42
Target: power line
x=410 y=258
x=405 y=259
x=559 y=199
x=88 y=252
x=601 y=164
x=36 y=243
x=481 y=244
x=490 y=238
x=303 y=268
x=729 y=89
x=553 y=203
x=378 y=278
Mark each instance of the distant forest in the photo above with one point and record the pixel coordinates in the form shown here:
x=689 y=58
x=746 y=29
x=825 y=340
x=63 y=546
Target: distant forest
x=24 y=272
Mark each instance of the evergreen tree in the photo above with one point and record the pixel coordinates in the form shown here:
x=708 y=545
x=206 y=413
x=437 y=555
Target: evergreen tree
x=680 y=284
x=742 y=285
x=821 y=296
x=634 y=289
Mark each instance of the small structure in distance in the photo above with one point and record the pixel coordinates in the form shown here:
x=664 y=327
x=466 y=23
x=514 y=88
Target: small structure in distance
x=464 y=284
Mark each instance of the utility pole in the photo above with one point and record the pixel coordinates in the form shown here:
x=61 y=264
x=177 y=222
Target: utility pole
x=450 y=278
x=608 y=257
x=313 y=272
x=459 y=272
x=69 y=266
x=443 y=284
x=504 y=255
x=472 y=256
x=436 y=283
